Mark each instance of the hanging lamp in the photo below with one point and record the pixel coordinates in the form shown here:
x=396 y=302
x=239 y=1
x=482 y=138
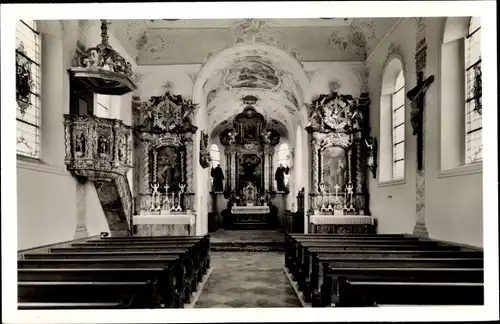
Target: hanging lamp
x=103 y=70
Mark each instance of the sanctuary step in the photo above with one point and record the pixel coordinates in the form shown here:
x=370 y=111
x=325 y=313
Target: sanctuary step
x=249 y=226
x=248 y=240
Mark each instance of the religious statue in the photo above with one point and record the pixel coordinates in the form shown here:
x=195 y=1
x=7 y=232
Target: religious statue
x=340 y=173
x=315 y=117
x=280 y=177
x=80 y=143
x=103 y=145
x=416 y=96
x=371 y=144
x=218 y=176
x=232 y=135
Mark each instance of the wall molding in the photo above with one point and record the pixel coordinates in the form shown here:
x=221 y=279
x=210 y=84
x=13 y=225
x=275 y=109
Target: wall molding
x=392 y=183
x=40 y=166
x=466 y=169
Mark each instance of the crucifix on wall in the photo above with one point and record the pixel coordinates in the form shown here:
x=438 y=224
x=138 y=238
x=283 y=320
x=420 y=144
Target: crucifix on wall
x=417 y=98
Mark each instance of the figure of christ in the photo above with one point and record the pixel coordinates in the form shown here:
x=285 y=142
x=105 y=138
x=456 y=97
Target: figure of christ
x=170 y=173
x=417 y=98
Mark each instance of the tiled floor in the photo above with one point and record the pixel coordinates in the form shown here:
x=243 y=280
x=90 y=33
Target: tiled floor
x=247 y=279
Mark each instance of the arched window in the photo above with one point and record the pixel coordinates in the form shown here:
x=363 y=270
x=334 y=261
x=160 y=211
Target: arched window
x=473 y=117
x=28 y=70
x=398 y=128
x=215 y=155
x=283 y=154
x=392 y=123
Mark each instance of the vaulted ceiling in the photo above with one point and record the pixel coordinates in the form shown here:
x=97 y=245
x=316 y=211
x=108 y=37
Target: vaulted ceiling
x=195 y=41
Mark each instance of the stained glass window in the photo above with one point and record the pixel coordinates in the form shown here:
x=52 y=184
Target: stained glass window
x=28 y=76
x=215 y=155
x=473 y=106
x=398 y=128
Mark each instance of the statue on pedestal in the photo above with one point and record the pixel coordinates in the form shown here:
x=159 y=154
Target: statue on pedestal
x=280 y=177
x=218 y=176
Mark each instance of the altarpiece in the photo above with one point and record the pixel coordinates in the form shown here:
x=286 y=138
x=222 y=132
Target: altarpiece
x=338 y=199
x=164 y=165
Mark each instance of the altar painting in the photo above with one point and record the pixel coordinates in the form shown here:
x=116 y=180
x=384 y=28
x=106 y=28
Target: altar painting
x=168 y=168
x=334 y=168
x=250 y=171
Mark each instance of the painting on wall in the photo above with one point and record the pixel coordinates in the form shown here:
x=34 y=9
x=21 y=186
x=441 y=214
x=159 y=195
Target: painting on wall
x=168 y=167
x=253 y=74
x=334 y=168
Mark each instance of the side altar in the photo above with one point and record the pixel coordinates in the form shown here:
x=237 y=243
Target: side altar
x=164 y=166
x=338 y=199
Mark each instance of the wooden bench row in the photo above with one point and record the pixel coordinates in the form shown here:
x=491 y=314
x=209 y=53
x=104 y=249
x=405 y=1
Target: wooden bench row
x=115 y=273
x=366 y=270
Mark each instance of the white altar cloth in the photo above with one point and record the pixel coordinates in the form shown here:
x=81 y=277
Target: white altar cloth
x=250 y=210
x=172 y=219
x=341 y=220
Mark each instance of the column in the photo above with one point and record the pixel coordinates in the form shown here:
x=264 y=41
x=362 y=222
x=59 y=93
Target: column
x=420 y=64
x=228 y=171
x=81 y=210
x=315 y=163
x=233 y=172
x=271 y=178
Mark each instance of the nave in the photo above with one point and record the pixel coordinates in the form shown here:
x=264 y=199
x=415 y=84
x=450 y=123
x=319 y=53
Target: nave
x=321 y=270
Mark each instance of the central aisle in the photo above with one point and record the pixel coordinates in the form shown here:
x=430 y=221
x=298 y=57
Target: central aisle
x=247 y=279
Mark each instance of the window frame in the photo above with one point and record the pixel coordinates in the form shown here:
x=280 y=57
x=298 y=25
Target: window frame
x=37 y=126
x=469 y=157
x=394 y=128
x=213 y=160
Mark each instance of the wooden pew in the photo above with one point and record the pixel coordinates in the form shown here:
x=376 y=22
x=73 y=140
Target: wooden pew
x=191 y=275
x=108 y=265
x=362 y=294
x=299 y=254
x=293 y=242
x=168 y=283
x=309 y=269
x=304 y=264
x=330 y=287
x=200 y=251
x=121 y=293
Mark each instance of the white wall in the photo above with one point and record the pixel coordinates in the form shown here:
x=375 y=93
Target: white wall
x=453 y=209
x=46 y=191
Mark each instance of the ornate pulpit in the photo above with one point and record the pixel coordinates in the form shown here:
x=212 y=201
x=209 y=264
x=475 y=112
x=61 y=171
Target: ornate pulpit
x=164 y=166
x=338 y=127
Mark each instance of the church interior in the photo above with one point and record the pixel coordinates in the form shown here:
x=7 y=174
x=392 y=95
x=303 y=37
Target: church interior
x=242 y=163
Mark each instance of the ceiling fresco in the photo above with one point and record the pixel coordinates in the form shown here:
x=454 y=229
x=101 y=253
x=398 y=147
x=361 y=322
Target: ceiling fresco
x=197 y=41
x=252 y=73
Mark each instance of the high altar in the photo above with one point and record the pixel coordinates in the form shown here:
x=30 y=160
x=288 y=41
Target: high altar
x=338 y=199
x=164 y=166
x=249 y=147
